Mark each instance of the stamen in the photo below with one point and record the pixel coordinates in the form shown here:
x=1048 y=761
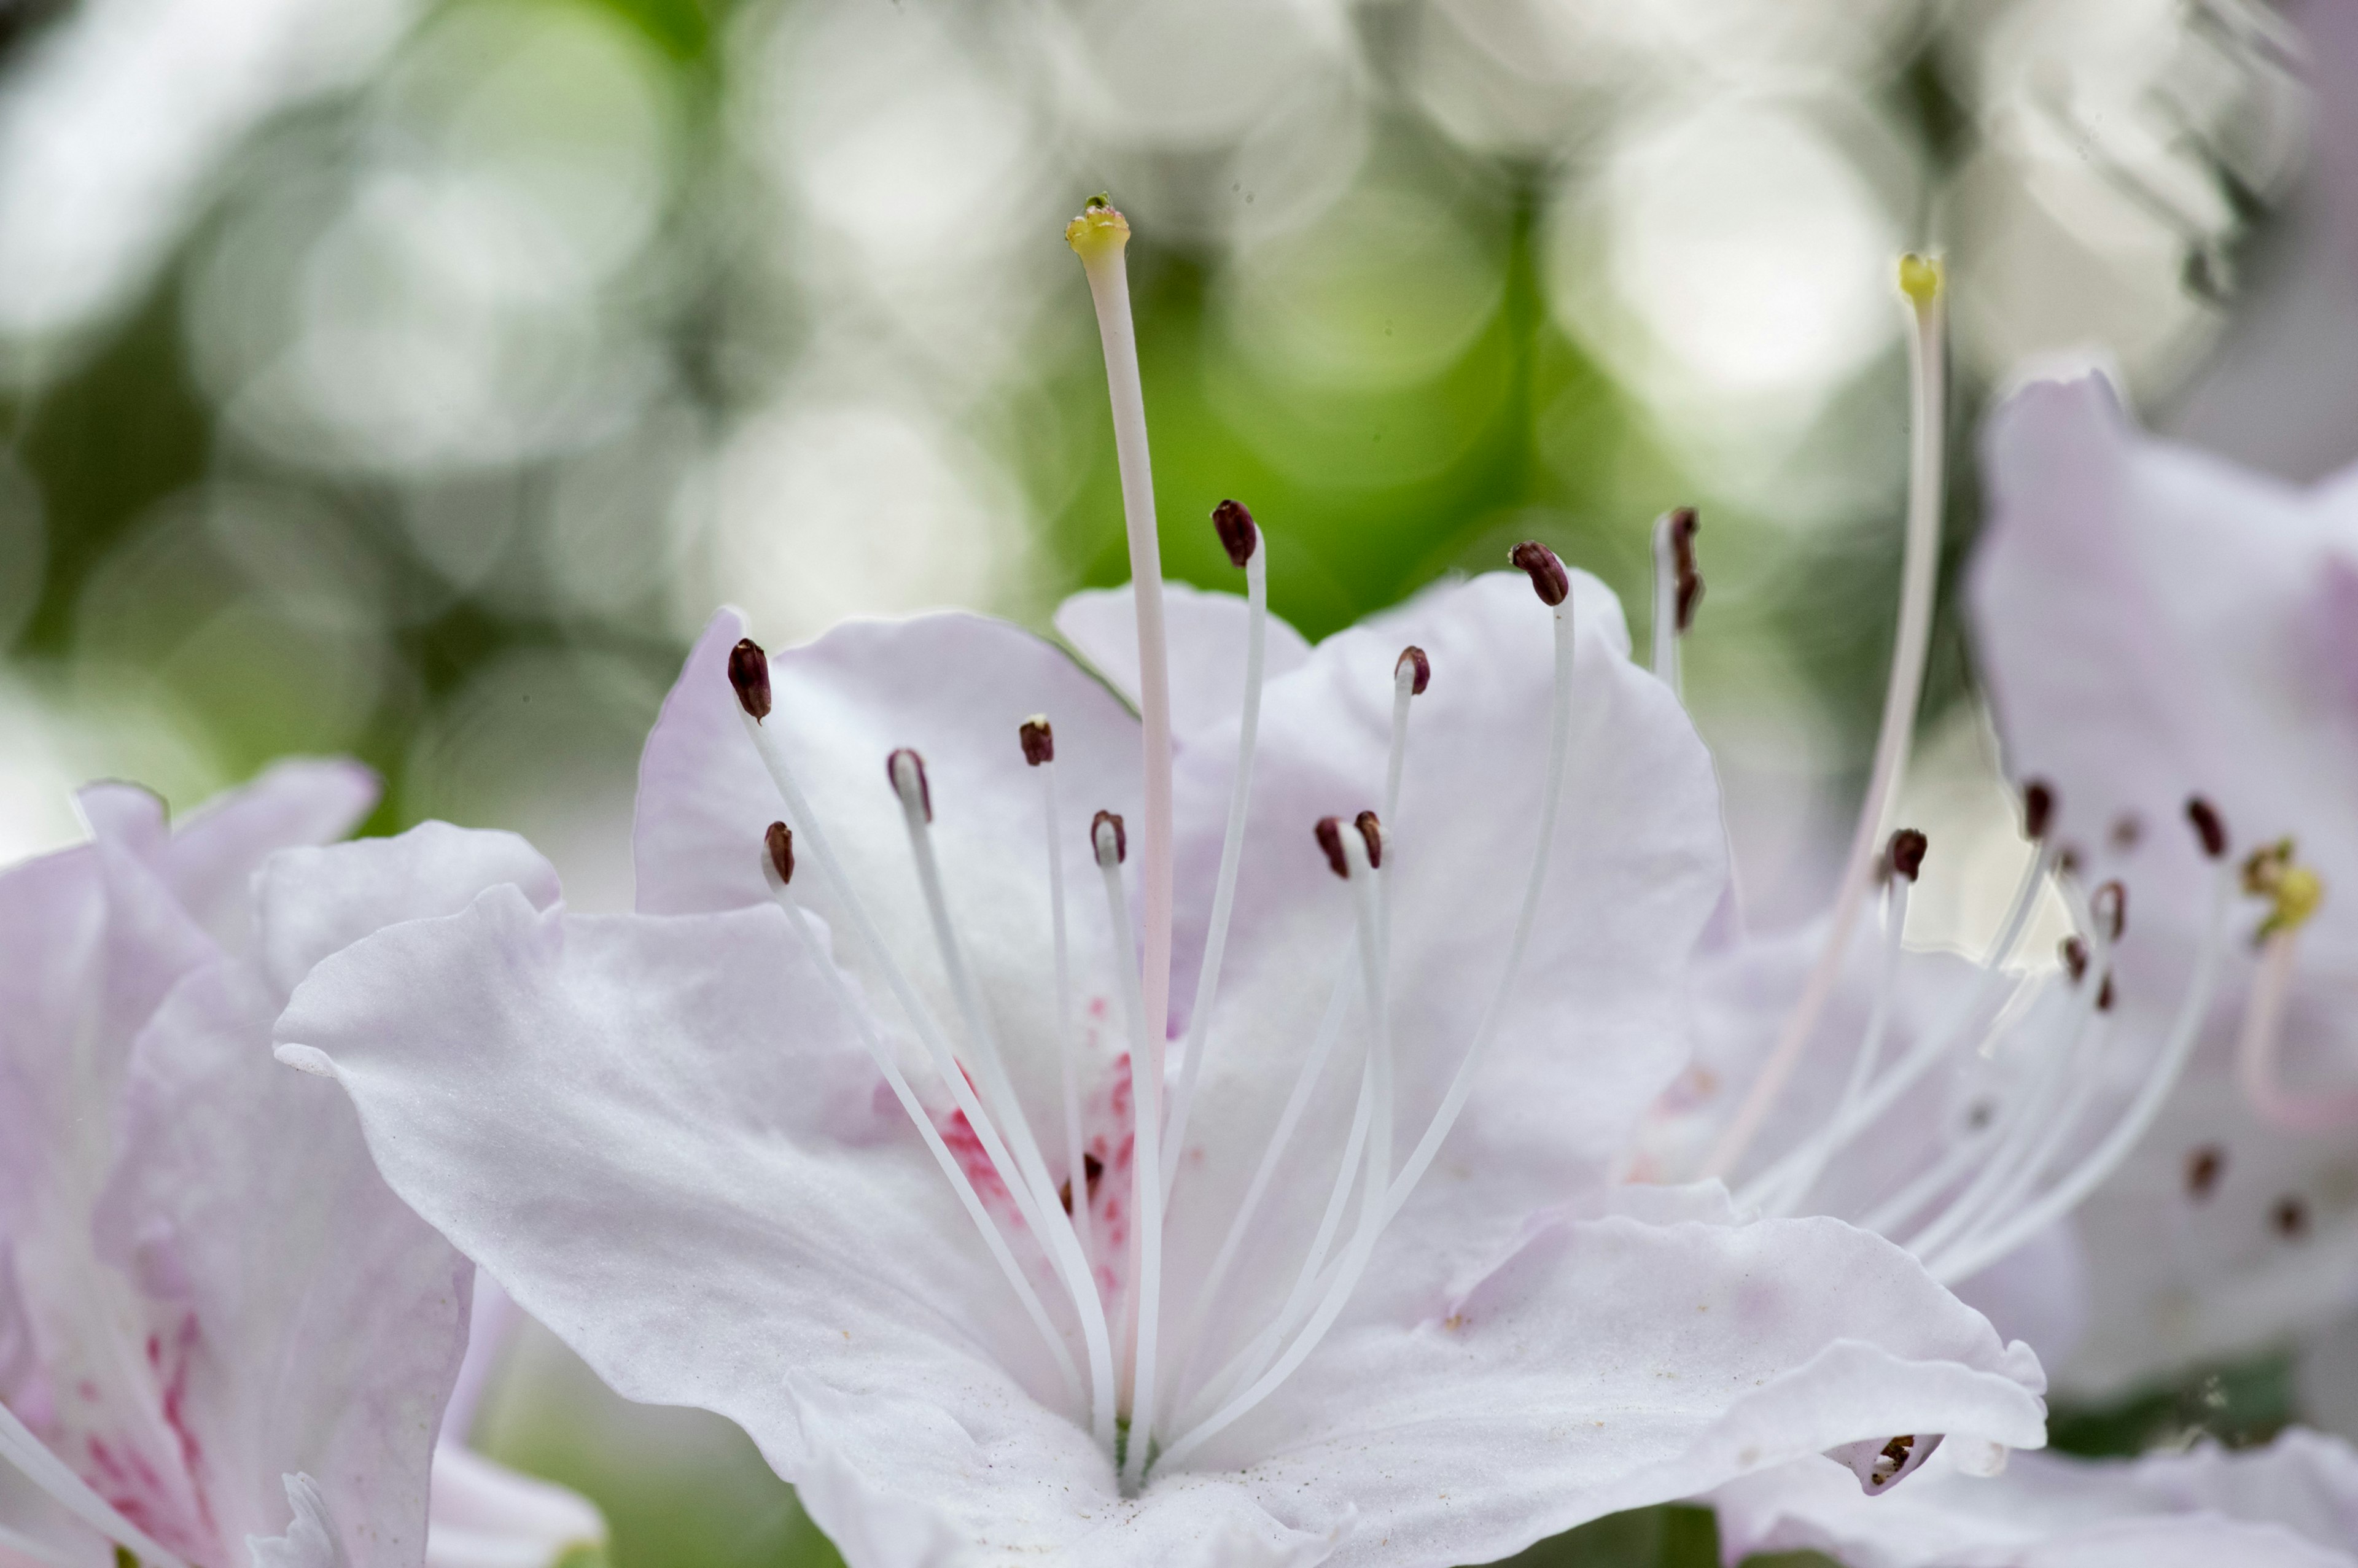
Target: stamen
x=1933 y=1046
x=1099 y=236
x=1921 y=280
x=1545 y=570
x=749 y=672
x=1106 y=838
x=1551 y=800
x=1360 y=872
x=779 y=869
x=1242 y=540
x=1678 y=588
x=1039 y=743
x=2031 y=1108
x=1057 y=1238
x=1906 y=860
x=2038 y=805
x=1412 y=673
x=2066 y=1193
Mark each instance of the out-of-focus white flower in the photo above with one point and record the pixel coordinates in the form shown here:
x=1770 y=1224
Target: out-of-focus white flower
x=213 y=1314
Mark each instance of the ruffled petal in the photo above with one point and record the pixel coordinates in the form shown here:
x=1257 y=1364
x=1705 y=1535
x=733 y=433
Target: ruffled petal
x=1613 y=1362
x=2287 y=1506
x=672 y=1155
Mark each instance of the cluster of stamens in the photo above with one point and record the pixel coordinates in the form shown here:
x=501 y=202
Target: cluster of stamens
x=1038 y=1219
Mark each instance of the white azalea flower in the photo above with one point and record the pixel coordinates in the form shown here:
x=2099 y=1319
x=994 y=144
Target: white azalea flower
x=1221 y=1177
x=2156 y=623
x=1962 y=1108
x=222 y=1338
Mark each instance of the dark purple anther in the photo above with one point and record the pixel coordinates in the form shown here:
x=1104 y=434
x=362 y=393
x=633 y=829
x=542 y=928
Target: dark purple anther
x=1330 y=839
x=1039 y=741
x=918 y=765
x=1906 y=853
x=1684 y=527
x=1238 y=534
x=2207 y=826
x=781 y=842
x=748 y=672
x=1371 y=832
x=2038 y=805
x=1415 y=657
x=1098 y=824
x=2075 y=957
x=1547 y=573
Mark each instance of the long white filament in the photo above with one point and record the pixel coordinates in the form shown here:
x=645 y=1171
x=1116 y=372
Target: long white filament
x=1063 y=1248
x=1077 y=1162
x=32 y=1457
x=1551 y=801
x=2065 y=1195
x=1099 y=237
x=1322 y=1047
x=2026 y=1111
x=1374 y=1210
x=1055 y=1230
x=1927 y=1052
x=1146 y=1101
x=1870 y=1045
x=1232 y=845
x=1920 y=573
x=959 y=1179
x=2258 y=1042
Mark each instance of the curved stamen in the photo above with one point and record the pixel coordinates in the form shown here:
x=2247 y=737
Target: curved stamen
x=1361 y=852
x=906 y=771
x=781 y=890
x=1038 y=739
x=1929 y=1051
x=1146 y=1099
x=1920 y=570
x=1099 y=236
x=2066 y=1193
x=1412 y=673
x=1678 y=588
x=1904 y=868
x=2029 y=1109
x=1063 y=1248
x=1551 y=800
x=1243 y=541
x=2256 y=1066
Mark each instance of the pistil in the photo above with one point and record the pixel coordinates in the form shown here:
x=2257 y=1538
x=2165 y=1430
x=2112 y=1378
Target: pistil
x=1921 y=281
x=2293 y=893
x=1099 y=236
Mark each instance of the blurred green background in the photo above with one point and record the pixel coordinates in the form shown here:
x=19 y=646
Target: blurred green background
x=411 y=379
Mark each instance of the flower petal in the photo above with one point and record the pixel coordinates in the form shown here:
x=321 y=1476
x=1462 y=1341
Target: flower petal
x=1613 y=1362
x=2286 y=1506
x=649 y=1133
x=488 y=1516
x=956 y=688
x=1593 y=1026
x=1206 y=633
